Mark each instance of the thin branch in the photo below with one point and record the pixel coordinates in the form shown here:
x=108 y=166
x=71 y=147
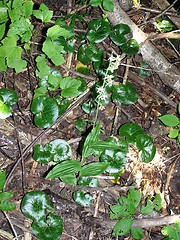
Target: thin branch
x=166 y=9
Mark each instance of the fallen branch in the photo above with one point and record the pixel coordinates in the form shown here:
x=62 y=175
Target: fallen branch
x=168 y=73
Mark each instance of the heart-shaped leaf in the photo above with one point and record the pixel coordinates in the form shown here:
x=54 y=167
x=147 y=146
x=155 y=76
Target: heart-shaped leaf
x=8 y=96
x=131 y=47
x=118 y=33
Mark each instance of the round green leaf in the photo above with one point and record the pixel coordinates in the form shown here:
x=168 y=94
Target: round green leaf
x=130 y=131
x=131 y=47
x=5 y=110
x=48 y=229
x=80 y=124
x=94 y=54
x=137 y=233
x=40 y=154
x=46 y=111
x=170 y=120
x=118 y=32
x=89 y=107
x=35 y=205
x=123 y=226
x=81 y=56
x=173 y=133
x=99 y=30
x=8 y=96
x=82 y=198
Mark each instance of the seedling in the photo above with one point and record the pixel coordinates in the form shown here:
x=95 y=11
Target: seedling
x=5 y=204
x=172 y=232
x=173 y=122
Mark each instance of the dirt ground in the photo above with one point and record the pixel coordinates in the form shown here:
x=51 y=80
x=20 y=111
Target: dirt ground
x=18 y=135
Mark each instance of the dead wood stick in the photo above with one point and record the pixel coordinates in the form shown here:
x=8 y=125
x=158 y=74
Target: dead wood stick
x=168 y=73
x=145 y=222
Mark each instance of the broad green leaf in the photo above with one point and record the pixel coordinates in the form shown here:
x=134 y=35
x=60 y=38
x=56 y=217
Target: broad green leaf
x=136 y=233
x=108 y=5
x=70 y=87
x=170 y=120
x=3 y=13
x=131 y=47
x=39 y=92
x=7 y=206
x=148 y=208
x=69 y=179
x=2 y=30
x=94 y=54
x=82 y=198
x=157 y=202
x=171 y=232
x=56 y=31
x=122 y=227
x=103 y=145
x=36 y=205
x=95 y=3
x=46 y=111
x=93 y=169
x=165 y=25
x=145 y=144
x=81 y=56
x=99 y=30
x=43 y=13
x=80 y=124
x=130 y=131
x=2 y=179
x=64 y=168
x=5 y=110
x=27 y=9
x=89 y=107
x=49 y=228
x=86 y=181
x=41 y=155
x=173 y=133
x=8 y=96
x=118 y=32
x=92 y=136
x=124 y=93
x=53 y=51
x=134 y=196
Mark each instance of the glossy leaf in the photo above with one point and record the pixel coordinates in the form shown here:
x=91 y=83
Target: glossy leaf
x=81 y=56
x=49 y=228
x=80 y=124
x=122 y=227
x=99 y=30
x=124 y=93
x=92 y=136
x=89 y=107
x=64 y=168
x=2 y=179
x=131 y=47
x=118 y=32
x=170 y=120
x=5 y=110
x=130 y=131
x=35 y=205
x=94 y=54
x=93 y=169
x=8 y=96
x=46 y=111
x=136 y=233
x=108 y=5
x=82 y=198
x=145 y=144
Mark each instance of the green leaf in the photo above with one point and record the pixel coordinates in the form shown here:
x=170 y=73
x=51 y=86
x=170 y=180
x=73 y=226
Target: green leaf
x=173 y=233
x=122 y=227
x=80 y=124
x=95 y=3
x=134 y=196
x=5 y=110
x=157 y=202
x=69 y=179
x=6 y=205
x=81 y=56
x=44 y=14
x=46 y=111
x=118 y=32
x=64 y=168
x=148 y=209
x=143 y=71
x=35 y=205
x=3 y=13
x=170 y=120
x=131 y=47
x=173 y=133
x=4 y=196
x=9 y=96
x=82 y=198
x=165 y=25
x=89 y=107
x=86 y=181
x=2 y=30
x=130 y=131
x=2 y=179
x=92 y=136
x=70 y=87
x=99 y=30
x=94 y=54
x=93 y=169
x=124 y=93
x=56 y=31
x=136 y=233
x=145 y=144
x=53 y=51
x=108 y=5
x=49 y=228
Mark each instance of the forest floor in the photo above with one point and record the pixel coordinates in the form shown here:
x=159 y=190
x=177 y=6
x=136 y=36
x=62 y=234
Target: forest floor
x=159 y=176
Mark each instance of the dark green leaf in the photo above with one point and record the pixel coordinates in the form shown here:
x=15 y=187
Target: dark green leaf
x=64 y=168
x=46 y=111
x=80 y=124
x=93 y=169
x=108 y=5
x=118 y=32
x=48 y=229
x=89 y=107
x=35 y=205
x=122 y=227
x=81 y=56
x=99 y=30
x=131 y=47
x=94 y=54
x=8 y=96
x=130 y=131
x=86 y=181
x=82 y=198
x=170 y=120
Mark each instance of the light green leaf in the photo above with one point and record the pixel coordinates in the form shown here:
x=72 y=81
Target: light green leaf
x=134 y=196
x=93 y=169
x=44 y=14
x=122 y=227
x=56 y=31
x=108 y=5
x=95 y=3
x=170 y=120
x=70 y=87
x=157 y=202
x=136 y=233
x=2 y=30
x=173 y=133
x=5 y=110
x=148 y=208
